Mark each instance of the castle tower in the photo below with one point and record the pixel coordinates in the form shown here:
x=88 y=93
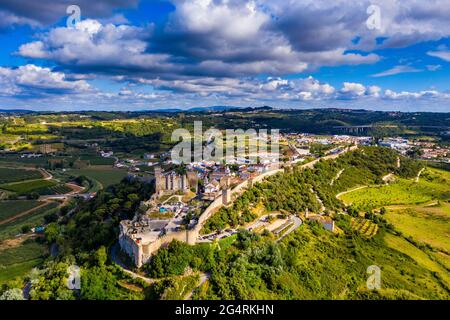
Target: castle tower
x=159 y=180
x=226 y=196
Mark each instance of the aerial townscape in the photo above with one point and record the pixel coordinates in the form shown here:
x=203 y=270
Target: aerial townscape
x=102 y=190
x=222 y=150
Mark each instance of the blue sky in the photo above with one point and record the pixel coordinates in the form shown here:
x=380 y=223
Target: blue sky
x=137 y=55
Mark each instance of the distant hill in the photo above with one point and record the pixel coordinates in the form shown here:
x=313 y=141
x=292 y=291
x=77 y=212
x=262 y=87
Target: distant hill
x=17 y=111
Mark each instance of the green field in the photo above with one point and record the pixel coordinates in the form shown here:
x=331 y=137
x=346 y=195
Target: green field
x=433 y=185
x=420 y=212
x=8 y=175
x=17 y=160
x=42 y=187
x=105 y=175
x=97 y=161
x=20 y=260
x=11 y=208
x=427 y=224
x=364 y=227
x=39 y=186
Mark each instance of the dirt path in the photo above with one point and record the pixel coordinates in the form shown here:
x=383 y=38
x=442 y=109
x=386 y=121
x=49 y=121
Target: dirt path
x=336 y=177
x=45 y=174
x=15 y=242
x=75 y=188
x=46 y=202
x=339 y=195
x=203 y=278
x=418 y=175
x=390 y=177
x=322 y=207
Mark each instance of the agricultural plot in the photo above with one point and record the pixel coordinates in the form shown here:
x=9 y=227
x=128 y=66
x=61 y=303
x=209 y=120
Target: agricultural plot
x=105 y=175
x=59 y=189
x=9 y=209
x=426 y=224
x=23 y=188
x=97 y=161
x=34 y=218
x=17 y=160
x=433 y=185
x=8 y=175
x=364 y=227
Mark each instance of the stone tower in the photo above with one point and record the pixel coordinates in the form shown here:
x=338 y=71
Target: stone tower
x=226 y=196
x=159 y=180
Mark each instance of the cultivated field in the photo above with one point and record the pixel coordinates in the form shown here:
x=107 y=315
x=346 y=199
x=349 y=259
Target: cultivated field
x=9 y=209
x=8 y=175
x=105 y=175
x=42 y=187
x=433 y=185
x=420 y=256
x=365 y=227
x=427 y=224
x=34 y=218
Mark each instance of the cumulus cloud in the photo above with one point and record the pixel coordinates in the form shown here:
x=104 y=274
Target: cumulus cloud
x=46 y=12
x=234 y=38
x=428 y=94
x=219 y=49
x=91 y=46
x=202 y=38
x=35 y=81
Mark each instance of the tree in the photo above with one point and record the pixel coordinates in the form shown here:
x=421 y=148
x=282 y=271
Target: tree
x=101 y=256
x=51 y=232
x=33 y=196
x=12 y=294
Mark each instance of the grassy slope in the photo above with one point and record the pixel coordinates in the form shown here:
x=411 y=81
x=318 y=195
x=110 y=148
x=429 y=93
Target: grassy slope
x=434 y=185
x=19 y=260
x=319 y=265
x=427 y=224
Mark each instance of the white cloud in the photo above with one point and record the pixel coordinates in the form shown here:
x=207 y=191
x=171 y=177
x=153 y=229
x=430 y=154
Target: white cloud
x=434 y=67
x=93 y=45
x=441 y=54
x=352 y=89
x=34 y=80
x=397 y=70
x=389 y=94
